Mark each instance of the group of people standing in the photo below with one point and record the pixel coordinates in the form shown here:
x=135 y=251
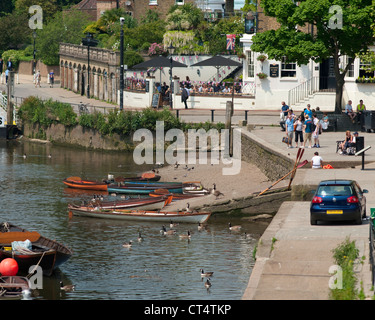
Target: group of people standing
x=305 y=128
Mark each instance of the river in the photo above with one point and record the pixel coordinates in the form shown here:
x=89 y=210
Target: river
x=159 y=268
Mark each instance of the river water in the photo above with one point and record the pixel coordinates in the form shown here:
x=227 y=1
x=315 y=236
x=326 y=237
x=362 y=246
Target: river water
x=162 y=268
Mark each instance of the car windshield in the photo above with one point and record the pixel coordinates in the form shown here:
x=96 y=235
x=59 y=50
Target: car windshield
x=334 y=190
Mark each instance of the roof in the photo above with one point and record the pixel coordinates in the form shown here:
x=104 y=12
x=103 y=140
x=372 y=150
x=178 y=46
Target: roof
x=336 y=181
x=86 y=4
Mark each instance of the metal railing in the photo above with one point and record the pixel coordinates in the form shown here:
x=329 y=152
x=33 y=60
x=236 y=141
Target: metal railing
x=303 y=91
x=372 y=245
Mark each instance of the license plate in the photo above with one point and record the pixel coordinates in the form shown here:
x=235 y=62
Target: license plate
x=334 y=211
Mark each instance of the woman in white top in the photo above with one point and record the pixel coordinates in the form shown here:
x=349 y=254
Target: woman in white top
x=298 y=125
x=316 y=161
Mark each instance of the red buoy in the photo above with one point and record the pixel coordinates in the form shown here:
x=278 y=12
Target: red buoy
x=8 y=267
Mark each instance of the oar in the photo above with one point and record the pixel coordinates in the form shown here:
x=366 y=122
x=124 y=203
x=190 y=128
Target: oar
x=282 y=178
x=9 y=237
x=298 y=158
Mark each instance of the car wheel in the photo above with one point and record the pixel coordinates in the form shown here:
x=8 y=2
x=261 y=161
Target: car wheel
x=313 y=222
x=358 y=221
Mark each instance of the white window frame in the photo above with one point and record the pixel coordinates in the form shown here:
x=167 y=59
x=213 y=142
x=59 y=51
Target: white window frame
x=292 y=68
x=180 y=2
x=250 y=59
x=153 y=2
x=362 y=73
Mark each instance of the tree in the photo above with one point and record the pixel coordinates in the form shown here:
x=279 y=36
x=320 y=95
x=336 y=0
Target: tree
x=294 y=41
x=49 y=7
x=15 y=32
x=62 y=28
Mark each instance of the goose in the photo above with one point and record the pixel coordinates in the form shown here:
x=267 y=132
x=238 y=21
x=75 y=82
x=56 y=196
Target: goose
x=215 y=192
x=164 y=231
x=206 y=274
x=176 y=165
x=201 y=227
x=188 y=207
x=207 y=284
x=127 y=244
x=248 y=236
x=173 y=225
x=50 y=156
x=139 y=237
x=234 y=228
x=185 y=236
x=67 y=288
x=24 y=156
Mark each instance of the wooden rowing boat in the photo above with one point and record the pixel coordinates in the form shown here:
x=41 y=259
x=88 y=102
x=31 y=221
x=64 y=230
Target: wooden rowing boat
x=142 y=215
x=148 y=203
x=147 y=176
x=48 y=254
x=78 y=183
x=13 y=287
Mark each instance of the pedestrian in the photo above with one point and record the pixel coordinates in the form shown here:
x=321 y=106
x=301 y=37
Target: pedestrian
x=283 y=114
x=317 y=131
x=316 y=161
x=185 y=96
x=51 y=79
x=308 y=111
x=298 y=126
x=37 y=79
x=10 y=65
x=307 y=128
x=1 y=65
x=289 y=125
x=6 y=75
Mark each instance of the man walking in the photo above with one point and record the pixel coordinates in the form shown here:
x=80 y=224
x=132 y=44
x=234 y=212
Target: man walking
x=184 y=96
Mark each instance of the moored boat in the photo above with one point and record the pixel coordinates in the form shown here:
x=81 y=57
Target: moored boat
x=46 y=253
x=13 y=287
x=143 y=215
x=78 y=183
x=147 y=176
x=176 y=196
x=148 y=203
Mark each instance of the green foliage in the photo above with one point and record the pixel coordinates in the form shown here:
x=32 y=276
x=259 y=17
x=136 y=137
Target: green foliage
x=185 y=17
x=62 y=28
x=345 y=256
x=45 y=113
x=16 y=56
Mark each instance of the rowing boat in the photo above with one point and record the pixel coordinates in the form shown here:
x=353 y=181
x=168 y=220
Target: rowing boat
x=176 y=196
x=78 y=183
x=47 y=253
x=148 y=203
x=142 y=215
x=13 y=287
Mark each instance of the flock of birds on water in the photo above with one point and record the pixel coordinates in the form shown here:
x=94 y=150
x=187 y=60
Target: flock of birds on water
x=187 y=236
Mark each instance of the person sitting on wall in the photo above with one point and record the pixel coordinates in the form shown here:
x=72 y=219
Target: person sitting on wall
x=349 y=111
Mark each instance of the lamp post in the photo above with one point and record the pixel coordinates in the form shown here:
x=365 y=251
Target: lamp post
x=34 y=53
x=171 y=50
x=88 y=38
x=122 y=64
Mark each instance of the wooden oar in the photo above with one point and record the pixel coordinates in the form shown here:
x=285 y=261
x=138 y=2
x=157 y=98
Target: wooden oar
x=298 y=158
x=282 y=178
x=9 y=237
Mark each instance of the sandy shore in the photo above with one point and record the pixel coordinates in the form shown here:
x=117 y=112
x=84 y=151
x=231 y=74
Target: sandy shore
x=249 y=180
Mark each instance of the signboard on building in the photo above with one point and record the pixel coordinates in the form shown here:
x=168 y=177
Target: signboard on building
x=274 y=70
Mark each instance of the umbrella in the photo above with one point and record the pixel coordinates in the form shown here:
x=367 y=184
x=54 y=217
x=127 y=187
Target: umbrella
x=159 y=62
x=217 y=62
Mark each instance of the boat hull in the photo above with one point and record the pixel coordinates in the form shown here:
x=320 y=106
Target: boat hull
x=138 y=190
x=138 y=215
x=86 y=185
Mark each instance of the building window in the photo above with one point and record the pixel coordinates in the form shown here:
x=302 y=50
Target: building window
x=350 y=72
x=363 y=69
x=250 y=64
x=288 y=69
x=153 y=2
x=179 y=2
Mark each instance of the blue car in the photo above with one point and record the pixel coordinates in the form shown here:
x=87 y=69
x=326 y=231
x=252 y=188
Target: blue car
x=338 y=200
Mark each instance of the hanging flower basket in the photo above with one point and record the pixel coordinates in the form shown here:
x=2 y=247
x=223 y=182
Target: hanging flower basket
x=262 y=75
x=261 y=57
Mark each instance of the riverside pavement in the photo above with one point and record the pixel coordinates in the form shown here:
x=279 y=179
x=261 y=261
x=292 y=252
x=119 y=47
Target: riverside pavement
x=293 y=257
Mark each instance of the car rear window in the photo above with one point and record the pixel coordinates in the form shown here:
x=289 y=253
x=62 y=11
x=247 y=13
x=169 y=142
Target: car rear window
x=335 y=190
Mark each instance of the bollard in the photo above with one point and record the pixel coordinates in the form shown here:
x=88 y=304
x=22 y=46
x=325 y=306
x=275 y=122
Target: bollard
x=212 y=115
x=246 y=115
x=177 y=113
